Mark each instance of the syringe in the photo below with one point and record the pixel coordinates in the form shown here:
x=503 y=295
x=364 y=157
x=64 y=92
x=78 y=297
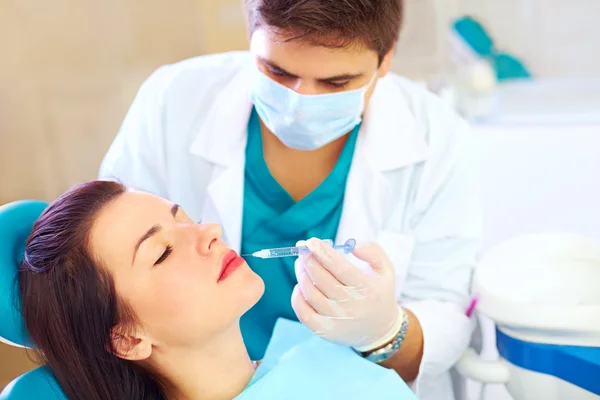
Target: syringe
x=297 y=250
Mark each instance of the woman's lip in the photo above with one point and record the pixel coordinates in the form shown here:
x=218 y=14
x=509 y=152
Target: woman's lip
x=231 y=262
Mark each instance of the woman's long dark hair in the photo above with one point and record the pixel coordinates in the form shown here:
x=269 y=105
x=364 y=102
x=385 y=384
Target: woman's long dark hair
x=70 y=305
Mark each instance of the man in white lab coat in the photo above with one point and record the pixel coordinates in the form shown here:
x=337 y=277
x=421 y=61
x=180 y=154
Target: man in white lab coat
x=308 y=135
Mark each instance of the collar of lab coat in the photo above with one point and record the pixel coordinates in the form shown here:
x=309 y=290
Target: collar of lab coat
x=390 y=136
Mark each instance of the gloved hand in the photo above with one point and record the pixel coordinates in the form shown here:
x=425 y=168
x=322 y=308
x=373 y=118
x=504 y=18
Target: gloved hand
x=343 y=303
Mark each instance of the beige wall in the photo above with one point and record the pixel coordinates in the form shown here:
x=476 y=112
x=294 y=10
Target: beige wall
x=421 y=50
x=69 y=70
x=13 y=361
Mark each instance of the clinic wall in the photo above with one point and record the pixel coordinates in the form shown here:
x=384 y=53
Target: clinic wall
x=556 y=38
x=421 y=50
x=69 y=71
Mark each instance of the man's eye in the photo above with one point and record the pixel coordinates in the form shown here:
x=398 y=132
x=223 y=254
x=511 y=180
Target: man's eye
x=278 y=73
x=338 y=85
x=164 y=255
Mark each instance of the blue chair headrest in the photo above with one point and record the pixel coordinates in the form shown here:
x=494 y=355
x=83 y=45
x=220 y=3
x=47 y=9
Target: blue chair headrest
x=16 y=221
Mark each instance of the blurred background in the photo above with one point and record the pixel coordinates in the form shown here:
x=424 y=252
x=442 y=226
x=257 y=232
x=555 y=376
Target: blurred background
x=69 y=69
x=526 y=73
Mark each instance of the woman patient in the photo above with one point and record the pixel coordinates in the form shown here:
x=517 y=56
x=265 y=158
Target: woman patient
x=127 y=298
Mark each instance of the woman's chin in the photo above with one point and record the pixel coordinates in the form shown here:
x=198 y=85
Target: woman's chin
x=254 y=288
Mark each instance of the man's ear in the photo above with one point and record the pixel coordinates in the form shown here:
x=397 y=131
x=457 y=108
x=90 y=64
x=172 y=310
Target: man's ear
x=386 y=62
x=129 y=344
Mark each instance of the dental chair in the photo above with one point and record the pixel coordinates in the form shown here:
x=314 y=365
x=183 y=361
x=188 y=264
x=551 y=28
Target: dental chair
x=541 y=291
x=16 y=220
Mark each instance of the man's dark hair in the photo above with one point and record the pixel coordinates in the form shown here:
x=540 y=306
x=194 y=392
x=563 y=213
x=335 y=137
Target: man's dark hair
x=331 y=23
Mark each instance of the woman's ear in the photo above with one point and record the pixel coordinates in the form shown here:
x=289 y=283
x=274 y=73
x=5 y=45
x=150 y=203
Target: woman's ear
x=129 y=344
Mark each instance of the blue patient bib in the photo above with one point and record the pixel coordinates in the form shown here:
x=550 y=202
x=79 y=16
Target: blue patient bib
x=299 y=365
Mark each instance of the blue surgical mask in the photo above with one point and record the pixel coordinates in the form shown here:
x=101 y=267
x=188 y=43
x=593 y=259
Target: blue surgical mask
x=306 y=122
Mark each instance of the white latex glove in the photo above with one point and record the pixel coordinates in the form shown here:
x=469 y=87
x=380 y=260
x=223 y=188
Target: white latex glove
x=343 y=303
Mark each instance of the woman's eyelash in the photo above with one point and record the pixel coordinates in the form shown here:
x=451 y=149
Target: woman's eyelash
x=168 y=252
x=164 y=255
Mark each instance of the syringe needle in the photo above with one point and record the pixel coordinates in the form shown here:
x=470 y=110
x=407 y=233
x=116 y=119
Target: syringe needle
x=297 y=250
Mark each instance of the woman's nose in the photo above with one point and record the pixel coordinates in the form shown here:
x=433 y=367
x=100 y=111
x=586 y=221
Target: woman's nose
x=208 y=236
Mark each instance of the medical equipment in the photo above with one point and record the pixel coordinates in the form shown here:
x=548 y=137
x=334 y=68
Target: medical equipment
x=542 y=293
x=299 y=250
x=469 y=41
x=472 y=306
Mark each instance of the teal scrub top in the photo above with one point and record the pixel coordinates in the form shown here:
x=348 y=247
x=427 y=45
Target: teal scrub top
x=271 y=218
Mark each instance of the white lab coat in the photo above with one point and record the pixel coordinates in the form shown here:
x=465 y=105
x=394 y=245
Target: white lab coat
x=412 y=186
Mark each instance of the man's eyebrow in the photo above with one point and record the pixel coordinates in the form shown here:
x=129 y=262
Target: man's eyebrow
x=343 y=77
x=276 y=67
x=152 y=231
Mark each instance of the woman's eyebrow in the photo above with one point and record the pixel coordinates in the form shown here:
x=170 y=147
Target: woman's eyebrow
x=152 y=231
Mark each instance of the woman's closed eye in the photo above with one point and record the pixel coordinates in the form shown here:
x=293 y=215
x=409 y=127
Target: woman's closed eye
x=164 y=255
